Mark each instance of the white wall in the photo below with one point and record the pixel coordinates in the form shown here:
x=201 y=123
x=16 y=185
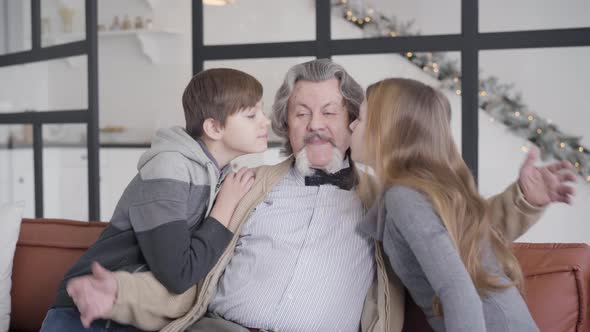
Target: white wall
x=500 y=159
x=430 y=17
x=554 y=84
x=260 y=21
x=444 y=17
x=24 y=87
x=3 y=27
x=507 y=15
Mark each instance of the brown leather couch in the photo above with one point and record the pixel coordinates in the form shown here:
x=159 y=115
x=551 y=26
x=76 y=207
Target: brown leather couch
x=557 y=276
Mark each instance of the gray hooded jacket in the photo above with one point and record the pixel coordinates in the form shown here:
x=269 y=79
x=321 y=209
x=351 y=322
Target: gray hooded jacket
x=160 y=222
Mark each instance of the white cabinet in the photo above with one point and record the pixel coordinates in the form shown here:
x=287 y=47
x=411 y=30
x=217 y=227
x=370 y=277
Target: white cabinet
x=65 y=179
x=65 y=183
x=17 y=182
x=5 y=176
x=22 y=181
x=52 y=177
x=118 y=169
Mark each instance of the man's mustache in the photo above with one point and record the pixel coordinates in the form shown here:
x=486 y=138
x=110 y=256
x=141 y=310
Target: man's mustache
x=310 y=136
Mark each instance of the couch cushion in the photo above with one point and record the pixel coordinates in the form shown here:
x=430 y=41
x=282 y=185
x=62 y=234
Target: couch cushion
x=557 y=278
x=45 y=250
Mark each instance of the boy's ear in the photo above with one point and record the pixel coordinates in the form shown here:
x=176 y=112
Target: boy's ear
x=213 y=129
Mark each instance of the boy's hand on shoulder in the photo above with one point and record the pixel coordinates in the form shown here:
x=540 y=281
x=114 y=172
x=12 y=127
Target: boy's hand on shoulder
x=233 y=189
x=236 y=185
x=93 y=294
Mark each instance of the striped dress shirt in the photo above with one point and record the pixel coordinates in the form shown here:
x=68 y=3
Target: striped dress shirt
x=300 y=263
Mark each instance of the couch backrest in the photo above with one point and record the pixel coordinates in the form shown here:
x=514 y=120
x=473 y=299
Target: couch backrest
x=45 y=250
x=557 y=288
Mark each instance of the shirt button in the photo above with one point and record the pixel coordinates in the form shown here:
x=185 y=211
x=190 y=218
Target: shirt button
x=289 y=296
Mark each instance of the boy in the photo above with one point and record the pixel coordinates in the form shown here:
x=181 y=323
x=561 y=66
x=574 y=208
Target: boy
x=165 y=221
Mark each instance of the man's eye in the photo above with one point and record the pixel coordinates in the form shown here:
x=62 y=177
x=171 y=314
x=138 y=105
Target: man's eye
x=251 y=116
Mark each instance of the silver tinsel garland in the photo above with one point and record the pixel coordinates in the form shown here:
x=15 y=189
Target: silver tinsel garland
x=496 y=99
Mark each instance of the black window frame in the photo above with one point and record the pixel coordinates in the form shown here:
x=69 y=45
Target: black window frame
x=469 y=42
x=38 y=118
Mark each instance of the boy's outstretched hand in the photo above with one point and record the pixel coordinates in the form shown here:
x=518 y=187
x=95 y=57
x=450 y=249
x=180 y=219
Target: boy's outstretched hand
x=233 y=189
x=93 y=294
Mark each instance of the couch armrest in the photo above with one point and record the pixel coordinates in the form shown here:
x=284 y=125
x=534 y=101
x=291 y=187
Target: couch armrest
x=45 y=250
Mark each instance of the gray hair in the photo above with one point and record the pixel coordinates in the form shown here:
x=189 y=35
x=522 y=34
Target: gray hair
x=316 y=71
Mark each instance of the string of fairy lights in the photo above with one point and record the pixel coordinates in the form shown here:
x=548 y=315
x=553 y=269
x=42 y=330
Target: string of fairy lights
x=498 y=100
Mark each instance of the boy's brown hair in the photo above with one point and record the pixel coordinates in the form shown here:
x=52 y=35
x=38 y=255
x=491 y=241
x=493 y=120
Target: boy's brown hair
x=218 y=93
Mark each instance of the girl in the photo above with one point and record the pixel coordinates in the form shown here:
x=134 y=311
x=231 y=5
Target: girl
x=431 y=219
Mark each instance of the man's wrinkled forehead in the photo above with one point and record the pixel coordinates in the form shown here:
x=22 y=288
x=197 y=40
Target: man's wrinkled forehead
x=322 y=93
x=307 y=101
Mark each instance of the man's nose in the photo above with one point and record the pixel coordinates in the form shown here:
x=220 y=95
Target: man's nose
x=317 y=122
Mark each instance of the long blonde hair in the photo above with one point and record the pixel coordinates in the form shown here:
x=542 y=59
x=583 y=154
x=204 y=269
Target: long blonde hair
x=409 y=142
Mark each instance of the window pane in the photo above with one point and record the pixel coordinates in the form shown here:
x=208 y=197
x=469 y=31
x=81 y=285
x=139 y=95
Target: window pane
x=537 y=97
x=441 y=70
x=44 y=86
x=387 y=18
x=506 y=15
x=15 y=26
x=62 y=22
x=143 y=70
x=261 y=21
x=13 y=136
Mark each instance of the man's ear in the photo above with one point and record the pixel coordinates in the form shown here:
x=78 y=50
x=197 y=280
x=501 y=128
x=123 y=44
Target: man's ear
x=213 y=129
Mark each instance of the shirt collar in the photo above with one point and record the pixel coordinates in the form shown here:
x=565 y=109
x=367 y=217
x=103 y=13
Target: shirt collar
x=209 y=155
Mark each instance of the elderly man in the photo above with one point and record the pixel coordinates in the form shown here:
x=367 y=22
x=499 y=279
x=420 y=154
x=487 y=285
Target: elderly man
x=297 y=261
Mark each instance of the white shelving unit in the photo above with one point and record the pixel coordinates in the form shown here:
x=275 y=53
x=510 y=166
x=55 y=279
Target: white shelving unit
x=152 y=4
x=150 y=41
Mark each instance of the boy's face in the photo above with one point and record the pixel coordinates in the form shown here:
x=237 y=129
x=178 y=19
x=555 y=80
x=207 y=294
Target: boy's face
x=247 y=130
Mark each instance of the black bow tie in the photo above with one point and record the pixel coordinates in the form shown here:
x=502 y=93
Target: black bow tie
x=343 y=179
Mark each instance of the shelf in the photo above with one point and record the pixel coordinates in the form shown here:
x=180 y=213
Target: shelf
x=152 y=4
x=149 y=41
